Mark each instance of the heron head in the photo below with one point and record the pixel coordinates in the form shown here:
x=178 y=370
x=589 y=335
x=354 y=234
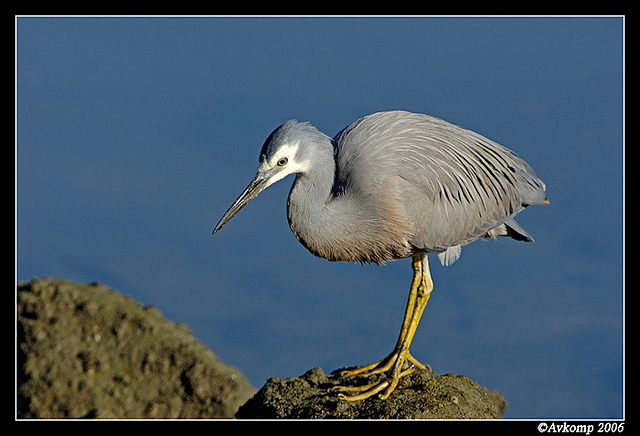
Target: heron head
x=286 y=151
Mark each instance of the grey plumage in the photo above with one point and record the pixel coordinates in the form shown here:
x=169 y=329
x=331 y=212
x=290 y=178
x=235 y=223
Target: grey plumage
x=453 y=184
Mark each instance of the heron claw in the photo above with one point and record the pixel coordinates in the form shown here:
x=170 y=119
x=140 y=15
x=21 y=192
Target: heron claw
x=392 y=364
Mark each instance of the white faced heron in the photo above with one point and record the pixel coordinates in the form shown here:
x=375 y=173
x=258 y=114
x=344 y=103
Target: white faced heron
x=389 y=186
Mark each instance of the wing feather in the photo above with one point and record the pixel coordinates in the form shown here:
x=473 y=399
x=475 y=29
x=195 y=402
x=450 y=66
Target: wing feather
x=456 y=185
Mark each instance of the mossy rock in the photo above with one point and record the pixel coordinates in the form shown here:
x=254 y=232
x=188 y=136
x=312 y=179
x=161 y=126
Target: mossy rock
x=420 y=395
x=87 y=351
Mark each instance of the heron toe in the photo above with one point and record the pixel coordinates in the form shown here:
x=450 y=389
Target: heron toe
x=390 y=364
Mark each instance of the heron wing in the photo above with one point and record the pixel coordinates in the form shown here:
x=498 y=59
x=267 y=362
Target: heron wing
x=454 y=185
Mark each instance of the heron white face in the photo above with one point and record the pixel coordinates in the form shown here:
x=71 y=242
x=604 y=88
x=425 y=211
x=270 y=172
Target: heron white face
x=281 y=155
x=282 y=163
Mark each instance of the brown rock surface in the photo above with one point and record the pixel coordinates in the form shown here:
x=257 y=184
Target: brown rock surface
x=86 y=351
x=420 y=395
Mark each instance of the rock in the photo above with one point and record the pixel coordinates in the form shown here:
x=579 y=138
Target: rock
x=86 y=351
x=420 y=395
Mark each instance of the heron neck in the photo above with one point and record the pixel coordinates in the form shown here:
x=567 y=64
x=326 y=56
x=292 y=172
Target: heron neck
x=335 y=225
x=311 y=192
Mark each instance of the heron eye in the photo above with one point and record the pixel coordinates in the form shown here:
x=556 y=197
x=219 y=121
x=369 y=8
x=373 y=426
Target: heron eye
x=282 y=162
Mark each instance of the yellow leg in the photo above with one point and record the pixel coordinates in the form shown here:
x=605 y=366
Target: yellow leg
x=400 y=362
x=387 y=362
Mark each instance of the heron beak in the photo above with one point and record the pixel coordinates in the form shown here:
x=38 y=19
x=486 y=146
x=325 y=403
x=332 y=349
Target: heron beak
x=257 y=185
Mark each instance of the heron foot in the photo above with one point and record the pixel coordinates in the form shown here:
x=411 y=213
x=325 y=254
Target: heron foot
x=397 y=365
